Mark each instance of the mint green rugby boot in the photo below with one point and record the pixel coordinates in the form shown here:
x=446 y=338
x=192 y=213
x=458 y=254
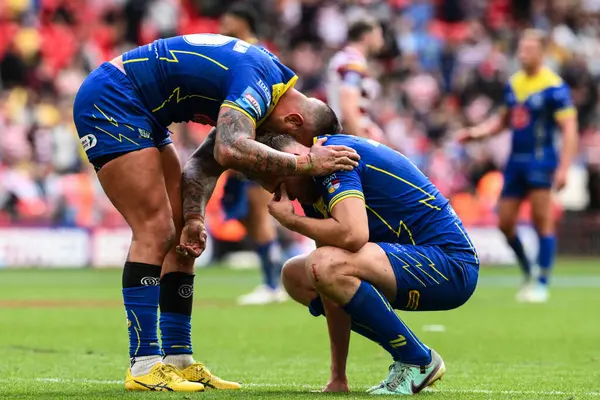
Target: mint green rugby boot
x=406 y=379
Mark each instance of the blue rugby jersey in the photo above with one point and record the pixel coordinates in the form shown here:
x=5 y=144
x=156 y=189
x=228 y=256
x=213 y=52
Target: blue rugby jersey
x=403 y=206
x=535 y=104
x=189 y=78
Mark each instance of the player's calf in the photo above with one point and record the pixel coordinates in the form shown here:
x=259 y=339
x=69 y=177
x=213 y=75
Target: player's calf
x=543 y=220
x=337 y=274
x=508 y=214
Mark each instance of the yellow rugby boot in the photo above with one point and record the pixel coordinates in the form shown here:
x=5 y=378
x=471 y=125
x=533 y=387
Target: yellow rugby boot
x=198 y=373
x=161 y=378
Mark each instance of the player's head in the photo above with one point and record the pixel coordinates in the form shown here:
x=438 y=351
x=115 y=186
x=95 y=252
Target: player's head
x=532 y=46
x=302 y=117
x=367 y=33
x=301 y=188
x=239 y=21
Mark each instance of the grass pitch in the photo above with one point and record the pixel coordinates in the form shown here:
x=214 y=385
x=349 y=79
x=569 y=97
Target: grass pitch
x=63 y=336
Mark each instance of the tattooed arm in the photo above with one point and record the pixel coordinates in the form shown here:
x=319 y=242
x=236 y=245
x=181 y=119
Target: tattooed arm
x=236 y=148
x=200 y=176
x=232 y=145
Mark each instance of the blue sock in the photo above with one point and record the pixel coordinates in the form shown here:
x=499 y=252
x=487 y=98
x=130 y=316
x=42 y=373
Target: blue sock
x=363 y=331
x=140 y=296
x=546 y=257
x=141 y=306
x=316 y=309
x=517 y=246
x=370 y=308
x=176 y=300
x=176 y=331
x=270 y=263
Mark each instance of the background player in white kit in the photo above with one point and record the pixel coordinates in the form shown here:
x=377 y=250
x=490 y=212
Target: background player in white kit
x=350 y=87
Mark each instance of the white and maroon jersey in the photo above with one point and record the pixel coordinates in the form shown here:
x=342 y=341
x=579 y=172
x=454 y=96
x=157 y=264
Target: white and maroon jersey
x=349 y=67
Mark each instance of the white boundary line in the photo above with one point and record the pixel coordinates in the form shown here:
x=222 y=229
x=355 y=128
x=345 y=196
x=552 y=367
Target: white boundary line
x=309 y=387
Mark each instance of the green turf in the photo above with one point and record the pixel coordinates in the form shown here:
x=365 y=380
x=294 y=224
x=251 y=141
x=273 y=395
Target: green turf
x=63 y=336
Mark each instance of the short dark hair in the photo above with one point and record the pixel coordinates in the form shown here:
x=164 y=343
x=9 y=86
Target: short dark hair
x=536 y=34
x=245 y=12
x=360 y=27
x=277 y=141
x=326 y=121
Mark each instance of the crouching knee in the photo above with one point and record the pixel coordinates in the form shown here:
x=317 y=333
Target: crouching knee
x=326 y=265
x=296 y=282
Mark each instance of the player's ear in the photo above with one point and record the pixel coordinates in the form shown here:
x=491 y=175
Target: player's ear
x=294 y=119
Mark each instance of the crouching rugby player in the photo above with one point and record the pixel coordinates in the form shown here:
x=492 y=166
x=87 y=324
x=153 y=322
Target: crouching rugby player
x=386 y=239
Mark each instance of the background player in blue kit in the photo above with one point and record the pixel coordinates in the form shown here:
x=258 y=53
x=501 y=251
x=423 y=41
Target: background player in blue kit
x=244 y=199
x=538 y=103
x=122 y=112
x=387 y=239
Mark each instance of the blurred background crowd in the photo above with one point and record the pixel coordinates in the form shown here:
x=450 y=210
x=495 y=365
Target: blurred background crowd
x=444 y=66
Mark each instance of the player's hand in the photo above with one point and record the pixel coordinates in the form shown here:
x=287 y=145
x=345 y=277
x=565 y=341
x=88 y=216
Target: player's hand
x=281 y=207
x=326 y=160
x=336 y=385
x=193 y=238
x=560 y=178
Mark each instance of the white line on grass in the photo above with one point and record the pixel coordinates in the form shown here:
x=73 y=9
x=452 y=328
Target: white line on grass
x=307 y=387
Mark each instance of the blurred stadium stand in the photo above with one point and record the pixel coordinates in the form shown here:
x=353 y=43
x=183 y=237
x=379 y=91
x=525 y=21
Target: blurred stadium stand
x=444 y=66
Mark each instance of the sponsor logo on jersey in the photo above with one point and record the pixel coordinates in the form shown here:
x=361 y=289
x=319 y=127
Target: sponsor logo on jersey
x=333 y=186
x=520 y=118
x=329 y=178
x=265 y=89
x=241 y=46
x=332 y=183
x=252 y=102
x=88 y=141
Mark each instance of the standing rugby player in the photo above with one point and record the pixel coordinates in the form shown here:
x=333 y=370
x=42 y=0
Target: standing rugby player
x=537 y=103
x=350 y=89
x=122 y=112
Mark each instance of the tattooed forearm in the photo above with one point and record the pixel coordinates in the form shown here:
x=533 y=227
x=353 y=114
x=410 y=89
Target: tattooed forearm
x=200 y=176
x=236 y=148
